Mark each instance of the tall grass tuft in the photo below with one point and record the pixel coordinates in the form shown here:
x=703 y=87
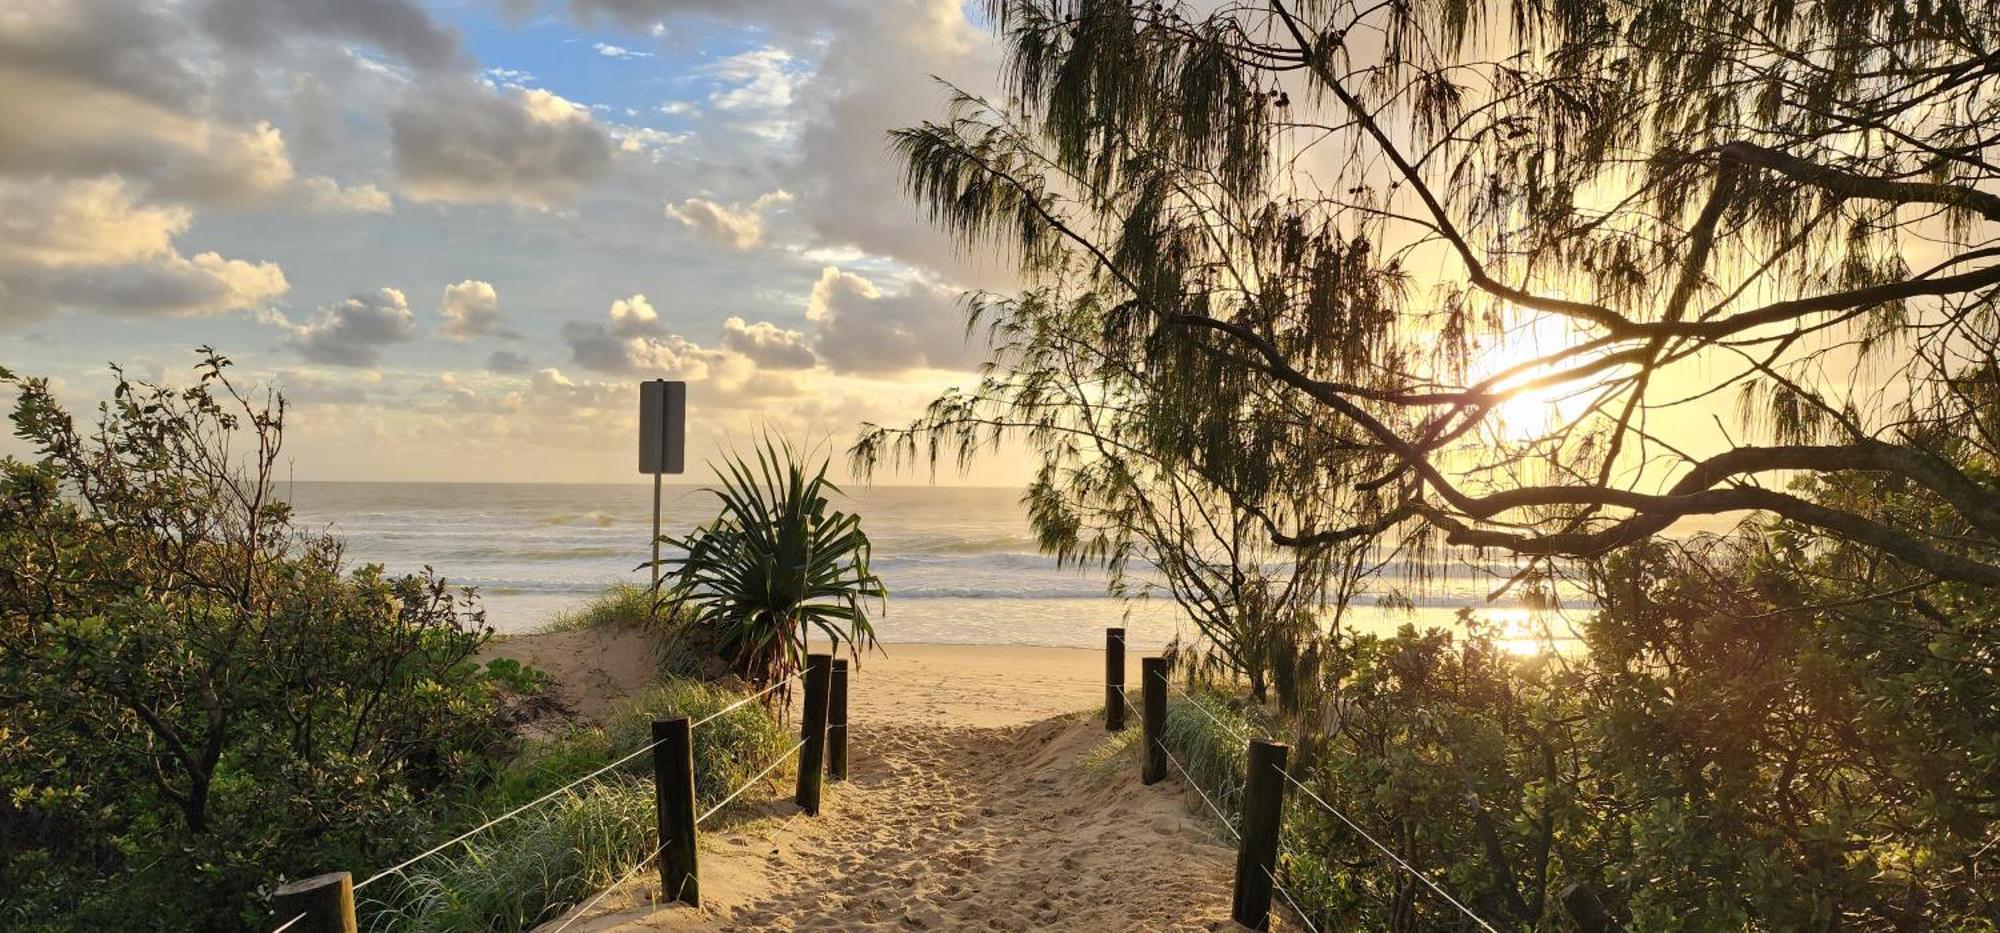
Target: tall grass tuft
x=528 y=870
x=623 y=605
x=1214 y=757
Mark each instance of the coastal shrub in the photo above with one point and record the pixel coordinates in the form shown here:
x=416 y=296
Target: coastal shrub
x=775 y=566
x=198 y=699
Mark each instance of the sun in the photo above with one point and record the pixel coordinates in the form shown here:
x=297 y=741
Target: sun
x=1530 y=411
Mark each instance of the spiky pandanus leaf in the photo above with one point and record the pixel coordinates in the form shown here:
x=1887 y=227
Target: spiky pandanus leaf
x=777 y=563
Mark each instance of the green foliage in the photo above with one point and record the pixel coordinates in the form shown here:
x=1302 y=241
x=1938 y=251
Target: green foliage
x=199 y=700
x=774 y=566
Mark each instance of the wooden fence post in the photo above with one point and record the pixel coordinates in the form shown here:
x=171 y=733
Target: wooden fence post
x=836 y=723
x=673 y=783
x=327 y=903
x=1153 y=715
x=1114 y=679
x=1257 y=856
x=812 y=756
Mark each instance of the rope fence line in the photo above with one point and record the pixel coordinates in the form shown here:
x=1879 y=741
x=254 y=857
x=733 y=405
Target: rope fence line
x=1187 y=776
x=281 y=928
x=1191 y=782
x=502 y=818
x=773 y=766
x=585 y=907
x=739 y=704
x=1406 y=866
x=1220 y=817
x=551 y=795
x=1296 y=909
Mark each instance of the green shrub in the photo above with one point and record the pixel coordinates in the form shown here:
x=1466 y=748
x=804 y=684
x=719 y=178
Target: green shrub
x=198 y=699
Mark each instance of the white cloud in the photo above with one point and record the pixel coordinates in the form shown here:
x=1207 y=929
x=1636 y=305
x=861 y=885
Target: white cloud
x=757 y=91
x=326 y=195
x=353 y=332
x=768 y=345
x=469 y=143
x=737 y=226
x=608 y=50
x=861 y=328
x=472 y=309
x=91 y=244
x=634 y=341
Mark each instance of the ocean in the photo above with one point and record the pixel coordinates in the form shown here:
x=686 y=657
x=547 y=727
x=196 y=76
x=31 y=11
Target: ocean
x=959 y=562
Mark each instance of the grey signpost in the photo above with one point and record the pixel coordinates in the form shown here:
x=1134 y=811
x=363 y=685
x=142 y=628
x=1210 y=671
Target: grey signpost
x=662 y=443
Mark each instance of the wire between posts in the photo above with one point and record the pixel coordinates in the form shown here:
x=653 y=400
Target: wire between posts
x=1406 y=866
x=551 y=795
x=1191 y=782
x=739 y=704
x=281 y=928
x=578 y=913
x=1296 y=909
x=1197 y=704
x=517 y=811
x=773 y=766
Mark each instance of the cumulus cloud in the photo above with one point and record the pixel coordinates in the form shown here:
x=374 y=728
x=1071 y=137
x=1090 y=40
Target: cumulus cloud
x=861 y=328
x=767 y=344
x=472 y=143
x=91 y=244
x=737 y=226
x=328 y=196
x=634 y=341
x=353 y=332
x=472 y=309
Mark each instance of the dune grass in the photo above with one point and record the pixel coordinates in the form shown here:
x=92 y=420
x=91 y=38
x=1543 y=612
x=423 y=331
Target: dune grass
x=624 y=604
x=533 y=867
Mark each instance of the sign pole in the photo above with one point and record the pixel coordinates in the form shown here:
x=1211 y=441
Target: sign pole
x=656 y=533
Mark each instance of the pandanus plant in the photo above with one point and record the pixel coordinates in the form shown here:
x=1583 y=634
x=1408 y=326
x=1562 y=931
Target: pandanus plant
x=775 y=565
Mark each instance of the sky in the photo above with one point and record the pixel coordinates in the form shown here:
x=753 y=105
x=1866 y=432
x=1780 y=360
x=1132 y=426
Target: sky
x=458 y=234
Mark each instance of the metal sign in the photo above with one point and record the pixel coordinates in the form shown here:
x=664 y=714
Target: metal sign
x=663 y=427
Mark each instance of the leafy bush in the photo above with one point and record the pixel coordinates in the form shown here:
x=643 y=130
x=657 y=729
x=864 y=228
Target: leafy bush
x=774 y=566
x=198 y=700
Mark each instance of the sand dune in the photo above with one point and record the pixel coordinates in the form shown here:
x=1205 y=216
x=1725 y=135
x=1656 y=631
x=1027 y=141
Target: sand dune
x=966 y=810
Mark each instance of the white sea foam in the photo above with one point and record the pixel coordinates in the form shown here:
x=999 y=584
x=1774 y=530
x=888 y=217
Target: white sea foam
x=960 y=563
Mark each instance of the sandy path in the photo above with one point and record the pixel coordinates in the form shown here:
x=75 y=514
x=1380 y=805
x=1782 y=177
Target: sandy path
x=961 y=813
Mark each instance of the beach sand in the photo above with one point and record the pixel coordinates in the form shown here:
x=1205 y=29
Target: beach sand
x=984 y=794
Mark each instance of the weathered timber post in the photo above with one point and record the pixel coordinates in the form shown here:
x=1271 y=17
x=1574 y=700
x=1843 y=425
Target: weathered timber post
x=322 y=905
x=1153 y=716
x=836 y=723
x=1257 y=856
x=1114 y=679
x=812 y=756
x=673 y=782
